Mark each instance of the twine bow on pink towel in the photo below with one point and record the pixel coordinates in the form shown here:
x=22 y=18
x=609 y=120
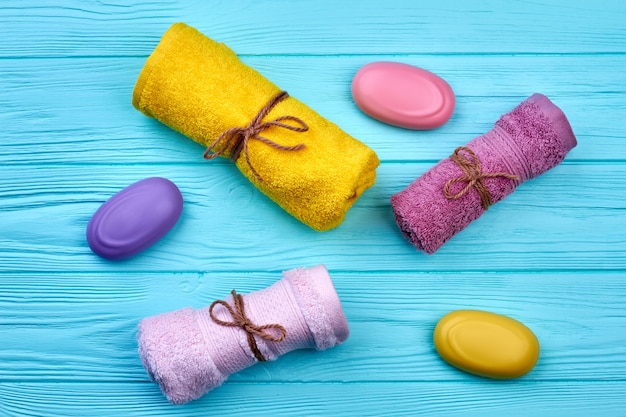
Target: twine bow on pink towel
x=474 y=177
x=237 y=138
x=241 y=320
x=528 y=141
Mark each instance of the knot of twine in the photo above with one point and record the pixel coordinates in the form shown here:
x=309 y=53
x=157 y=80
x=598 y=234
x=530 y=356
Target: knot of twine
x=241 y=320
x=474 y=177
x=236 y=139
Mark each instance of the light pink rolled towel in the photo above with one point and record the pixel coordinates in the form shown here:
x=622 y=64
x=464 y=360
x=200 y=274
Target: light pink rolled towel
x=524 y=143
x=188 y=353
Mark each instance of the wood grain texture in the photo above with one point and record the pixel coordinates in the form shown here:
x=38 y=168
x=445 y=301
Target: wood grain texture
x=300 y=400
x=120 y=28
x=552 y=254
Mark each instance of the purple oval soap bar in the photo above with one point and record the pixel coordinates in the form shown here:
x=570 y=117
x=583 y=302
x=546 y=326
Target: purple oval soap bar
x=403 y=95
x=135 y=218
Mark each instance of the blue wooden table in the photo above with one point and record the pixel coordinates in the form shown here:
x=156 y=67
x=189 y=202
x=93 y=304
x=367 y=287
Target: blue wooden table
x=551 y=255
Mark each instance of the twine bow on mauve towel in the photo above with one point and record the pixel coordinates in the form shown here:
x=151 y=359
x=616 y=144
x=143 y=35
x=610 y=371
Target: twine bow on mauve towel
x=237 y=138
x=241 y=320
x=473 y=176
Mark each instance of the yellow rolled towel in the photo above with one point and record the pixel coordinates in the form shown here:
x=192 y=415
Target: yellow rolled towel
x=302 y=161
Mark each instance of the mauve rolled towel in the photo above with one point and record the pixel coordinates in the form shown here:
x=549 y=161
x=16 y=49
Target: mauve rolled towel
x=524 y=143
x=189 y=352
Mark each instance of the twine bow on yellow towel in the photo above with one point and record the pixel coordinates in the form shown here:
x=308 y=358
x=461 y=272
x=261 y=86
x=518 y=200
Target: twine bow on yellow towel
x=304 y=162
x=473 y=176
x=236 y=139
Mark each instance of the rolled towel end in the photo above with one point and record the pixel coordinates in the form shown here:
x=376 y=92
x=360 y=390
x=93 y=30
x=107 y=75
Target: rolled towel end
x=175 y=356
x=320 y=305
x=557 y=119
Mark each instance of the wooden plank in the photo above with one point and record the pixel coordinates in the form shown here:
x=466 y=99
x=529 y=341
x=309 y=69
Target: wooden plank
x=62 y=327
x=78 y=110
x=117 y=28
x=407 y=399
x=571 y=218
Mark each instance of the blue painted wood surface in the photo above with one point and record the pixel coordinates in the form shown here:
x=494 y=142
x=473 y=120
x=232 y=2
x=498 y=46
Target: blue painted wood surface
x=552 y=255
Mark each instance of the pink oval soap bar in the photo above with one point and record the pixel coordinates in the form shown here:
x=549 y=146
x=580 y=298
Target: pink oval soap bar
x=135 y=218
x=403 y=95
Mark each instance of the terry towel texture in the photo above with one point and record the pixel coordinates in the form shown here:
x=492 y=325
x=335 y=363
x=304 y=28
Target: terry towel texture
x=188 y=354
x=526 y=142
x=200 y=88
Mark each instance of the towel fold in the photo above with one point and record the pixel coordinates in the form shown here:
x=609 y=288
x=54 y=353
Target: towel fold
x=201 y=89
x=524 y=143
x=190 y=352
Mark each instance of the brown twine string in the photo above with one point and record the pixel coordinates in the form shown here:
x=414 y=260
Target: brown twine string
x=473 y=176
x=241 y=320
x=237 y=138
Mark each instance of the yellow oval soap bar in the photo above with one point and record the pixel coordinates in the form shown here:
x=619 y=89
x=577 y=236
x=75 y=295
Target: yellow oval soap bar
x=486 y=344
